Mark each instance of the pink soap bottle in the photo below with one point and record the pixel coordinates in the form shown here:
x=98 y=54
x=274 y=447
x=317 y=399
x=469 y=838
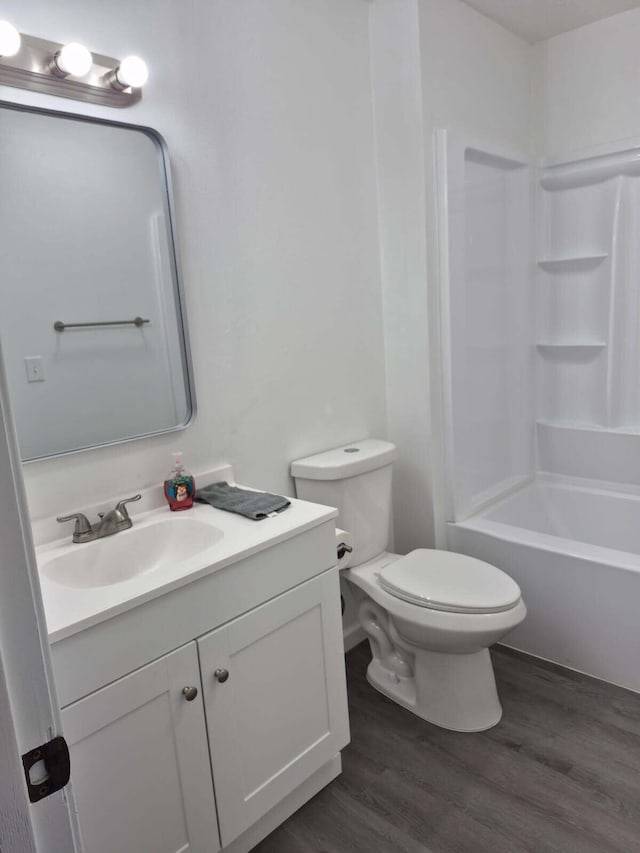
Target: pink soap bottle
x=179 y=487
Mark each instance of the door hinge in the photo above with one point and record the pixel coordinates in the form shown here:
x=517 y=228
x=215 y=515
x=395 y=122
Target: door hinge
x=54 y=773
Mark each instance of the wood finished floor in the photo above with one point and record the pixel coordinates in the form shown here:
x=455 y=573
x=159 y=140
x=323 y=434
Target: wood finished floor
x=559 y=774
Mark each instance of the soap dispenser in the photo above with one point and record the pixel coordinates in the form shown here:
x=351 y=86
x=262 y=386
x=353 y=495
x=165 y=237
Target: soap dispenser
x=179 y=487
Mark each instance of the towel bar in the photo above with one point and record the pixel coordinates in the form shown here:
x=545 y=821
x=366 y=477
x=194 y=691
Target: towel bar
x=59 y=326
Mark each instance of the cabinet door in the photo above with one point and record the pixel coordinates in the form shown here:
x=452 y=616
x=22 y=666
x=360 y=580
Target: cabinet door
x=139 y=762
x=282 y=712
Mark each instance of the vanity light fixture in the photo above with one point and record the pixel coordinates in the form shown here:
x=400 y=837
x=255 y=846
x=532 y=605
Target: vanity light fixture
x=9 y=39
x=69 y=70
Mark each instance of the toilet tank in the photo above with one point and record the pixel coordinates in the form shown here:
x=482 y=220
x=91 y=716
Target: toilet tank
x=356 y=479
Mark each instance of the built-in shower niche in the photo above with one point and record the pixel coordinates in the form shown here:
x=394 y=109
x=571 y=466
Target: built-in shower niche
x=485 y=198
x=572 y=288
x=588 y=332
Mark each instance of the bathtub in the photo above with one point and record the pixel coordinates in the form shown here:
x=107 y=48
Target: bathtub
x=573 y=546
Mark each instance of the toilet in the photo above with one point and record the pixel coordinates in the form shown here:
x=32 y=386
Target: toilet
x=430 y=616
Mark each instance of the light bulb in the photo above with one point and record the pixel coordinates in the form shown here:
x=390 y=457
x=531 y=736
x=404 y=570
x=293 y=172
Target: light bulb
x=9 y=39
x=132 y=72
x=73 y=59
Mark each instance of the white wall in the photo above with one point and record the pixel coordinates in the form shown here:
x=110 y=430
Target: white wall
x=395 y=51
x=436 y=63
x=266 y=109
x=476 y=75
x=588 y=85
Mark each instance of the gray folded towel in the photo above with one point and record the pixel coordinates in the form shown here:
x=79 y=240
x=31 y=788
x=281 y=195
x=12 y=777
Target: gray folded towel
x=254 y=505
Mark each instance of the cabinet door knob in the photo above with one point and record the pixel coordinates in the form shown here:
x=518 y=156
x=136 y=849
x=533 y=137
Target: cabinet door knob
x=189 y=693
x=221 y=675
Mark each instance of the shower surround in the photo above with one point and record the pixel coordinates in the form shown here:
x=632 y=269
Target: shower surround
x=540 y=297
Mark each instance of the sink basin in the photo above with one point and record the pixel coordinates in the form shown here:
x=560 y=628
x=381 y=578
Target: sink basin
x=141 y=550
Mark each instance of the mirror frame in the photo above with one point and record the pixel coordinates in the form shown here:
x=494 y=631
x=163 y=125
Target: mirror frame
x=175 y=265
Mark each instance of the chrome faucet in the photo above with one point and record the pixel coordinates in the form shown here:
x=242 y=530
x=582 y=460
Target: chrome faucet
x=111 y=522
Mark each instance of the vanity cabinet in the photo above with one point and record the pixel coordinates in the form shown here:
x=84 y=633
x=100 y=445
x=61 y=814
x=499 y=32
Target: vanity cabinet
x=140 y=766
x=275 y=700
x=269 y=713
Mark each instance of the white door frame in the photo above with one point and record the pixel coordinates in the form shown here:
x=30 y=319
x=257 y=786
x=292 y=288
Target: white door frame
x=29 y=710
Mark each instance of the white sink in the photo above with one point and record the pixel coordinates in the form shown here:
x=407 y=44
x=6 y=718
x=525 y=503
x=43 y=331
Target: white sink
x=142 y=550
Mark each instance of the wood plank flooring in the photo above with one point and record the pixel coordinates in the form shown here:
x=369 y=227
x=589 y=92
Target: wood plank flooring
x=559 y=774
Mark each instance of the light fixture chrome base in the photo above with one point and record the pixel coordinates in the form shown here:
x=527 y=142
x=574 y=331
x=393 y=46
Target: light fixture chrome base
x=30 y=69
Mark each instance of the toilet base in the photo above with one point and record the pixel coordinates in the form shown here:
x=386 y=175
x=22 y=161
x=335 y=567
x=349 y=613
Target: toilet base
x=455 y=692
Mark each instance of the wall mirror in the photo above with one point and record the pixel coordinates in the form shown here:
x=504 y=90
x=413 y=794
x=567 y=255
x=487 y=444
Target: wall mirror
x=92 y=323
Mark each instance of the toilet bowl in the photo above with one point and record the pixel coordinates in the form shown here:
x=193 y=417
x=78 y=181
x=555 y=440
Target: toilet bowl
x=435 y=661
x=430 y=616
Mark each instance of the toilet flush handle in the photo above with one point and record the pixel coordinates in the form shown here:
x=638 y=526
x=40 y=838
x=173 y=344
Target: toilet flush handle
x=344 y=549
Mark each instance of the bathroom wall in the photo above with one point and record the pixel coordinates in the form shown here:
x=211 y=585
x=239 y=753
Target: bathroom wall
x=436 y=64
x=588 y=85
x=395 y=52
x=266 y=109
x=476 y=76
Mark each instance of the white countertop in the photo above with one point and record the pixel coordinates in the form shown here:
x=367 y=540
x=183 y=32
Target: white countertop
x=70 y=609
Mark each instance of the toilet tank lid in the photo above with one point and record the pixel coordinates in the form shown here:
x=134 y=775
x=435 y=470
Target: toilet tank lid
x=345 y=461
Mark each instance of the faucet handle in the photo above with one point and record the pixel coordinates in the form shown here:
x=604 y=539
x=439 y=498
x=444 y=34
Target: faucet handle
x=122 y=509
x=83 y=527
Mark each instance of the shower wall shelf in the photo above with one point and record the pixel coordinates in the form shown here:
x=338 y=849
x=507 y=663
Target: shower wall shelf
x=579 y=263
x=571 y=425
x=571 y=345
x=621 y=431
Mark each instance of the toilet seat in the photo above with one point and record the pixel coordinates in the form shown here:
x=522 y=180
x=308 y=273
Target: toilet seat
x=443 y=580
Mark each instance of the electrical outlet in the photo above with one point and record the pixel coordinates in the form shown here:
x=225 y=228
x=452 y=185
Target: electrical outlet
x=35 y=368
